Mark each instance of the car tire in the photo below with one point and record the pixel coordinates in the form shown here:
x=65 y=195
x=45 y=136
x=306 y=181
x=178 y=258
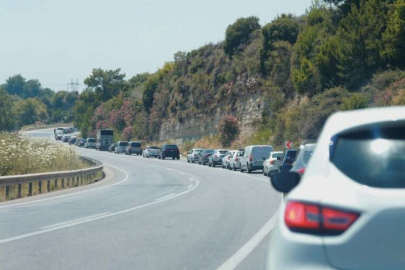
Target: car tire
x=234 y=168
x=249 y=170
x=188 y=160
x=192 y=161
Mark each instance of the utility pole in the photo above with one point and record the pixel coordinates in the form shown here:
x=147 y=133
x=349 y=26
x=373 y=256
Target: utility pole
x=73 y=85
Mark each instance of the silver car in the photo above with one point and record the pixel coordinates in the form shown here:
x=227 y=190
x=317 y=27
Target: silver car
x=90 y=143
x=270 y=165
x=234 y=161
x=121 y=147
x=225 y=159
x=192 y=155
x=254 y=157
x=150 y=151
x=216 y=158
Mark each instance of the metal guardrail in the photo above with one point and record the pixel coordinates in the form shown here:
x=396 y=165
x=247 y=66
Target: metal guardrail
x=18 y=186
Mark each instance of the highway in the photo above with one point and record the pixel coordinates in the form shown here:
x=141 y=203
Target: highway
x=146 y=214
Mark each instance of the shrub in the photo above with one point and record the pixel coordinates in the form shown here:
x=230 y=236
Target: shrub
x=228 y=130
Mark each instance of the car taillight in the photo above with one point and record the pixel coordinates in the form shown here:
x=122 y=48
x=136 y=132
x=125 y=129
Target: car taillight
x=215 y=156
x=229 y=157
x=251 y=158
x=301 y=171
x=195 y=155
x=272 y=162
x=236 y=159
x=316 y=219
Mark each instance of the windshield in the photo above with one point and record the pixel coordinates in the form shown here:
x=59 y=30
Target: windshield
x=122 y=144
x=135 y=144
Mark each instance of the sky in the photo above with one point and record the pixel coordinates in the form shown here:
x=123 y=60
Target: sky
x=55 y=41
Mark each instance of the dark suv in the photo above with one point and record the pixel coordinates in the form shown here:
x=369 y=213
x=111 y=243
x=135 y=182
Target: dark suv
x=169 y=150
x=287 y=160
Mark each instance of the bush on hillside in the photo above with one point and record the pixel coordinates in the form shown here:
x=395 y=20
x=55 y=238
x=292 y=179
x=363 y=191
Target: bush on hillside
x=228 y=130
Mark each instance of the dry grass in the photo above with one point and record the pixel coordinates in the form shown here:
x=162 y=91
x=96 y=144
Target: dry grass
x=22 y=155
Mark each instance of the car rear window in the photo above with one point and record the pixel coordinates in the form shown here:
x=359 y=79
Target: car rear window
x=171 y=146
x=153 y=147
x=223 y=152
x=307 y=156
x=135 y=144
x=276 y=155
x=372 y=156
x=291 y=154
x=261 y=151
x=208 y=151
x=91 y=140
x=122 y=143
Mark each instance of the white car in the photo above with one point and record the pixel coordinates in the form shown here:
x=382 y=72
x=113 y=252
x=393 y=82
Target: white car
x=227 y=158
x=270 y=165
x=348 y=210
x=150 y=151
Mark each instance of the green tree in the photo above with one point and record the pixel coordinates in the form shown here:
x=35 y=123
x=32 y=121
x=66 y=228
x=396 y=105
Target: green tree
x=394 y=35
x=15 y=85
x=30 y=110
x=106 y=83
x=7 y=119
x=32 y=88
x=239 y=33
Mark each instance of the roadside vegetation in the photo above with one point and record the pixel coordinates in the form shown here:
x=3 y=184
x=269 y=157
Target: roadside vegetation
x=24 y=155
x=338 y=55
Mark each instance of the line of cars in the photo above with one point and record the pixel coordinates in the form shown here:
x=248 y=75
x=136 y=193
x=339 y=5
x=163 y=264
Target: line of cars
x=129 y=148
x=255 y=157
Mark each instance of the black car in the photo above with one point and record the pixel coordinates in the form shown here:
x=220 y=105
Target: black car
x=204 y=155
x=111 y=148
x=169 y=150
x=287 y=160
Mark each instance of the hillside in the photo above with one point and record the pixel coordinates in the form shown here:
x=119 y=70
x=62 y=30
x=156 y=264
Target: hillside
x=281 y=80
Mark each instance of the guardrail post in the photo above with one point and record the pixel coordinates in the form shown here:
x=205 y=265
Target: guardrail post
x=40 y=187
x=19 y=191
x=68 y=182
x=48 y=185
x=30 y=189
x=63 y=183
x=7 y=192
x=56 y=183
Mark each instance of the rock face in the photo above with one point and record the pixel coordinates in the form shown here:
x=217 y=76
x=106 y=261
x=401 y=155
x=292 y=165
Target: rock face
x=247 y=108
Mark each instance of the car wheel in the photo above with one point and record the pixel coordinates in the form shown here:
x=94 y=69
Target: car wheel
x=192 y=161
x=249 y=170
x=234 y=168
x=188 y=160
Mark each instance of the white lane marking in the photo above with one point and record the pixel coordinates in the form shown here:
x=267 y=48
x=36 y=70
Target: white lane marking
x=72 y=221
x=182 y=173
x=96 y=218
x=164 y=197
x=191 y=179
x=190 y=186
x=247 y=248
x=72 y=194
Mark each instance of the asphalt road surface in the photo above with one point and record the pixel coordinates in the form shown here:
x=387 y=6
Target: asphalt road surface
x=146 y=214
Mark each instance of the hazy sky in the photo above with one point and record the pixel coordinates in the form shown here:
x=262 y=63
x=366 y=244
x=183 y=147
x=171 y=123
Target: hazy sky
x=55 y=41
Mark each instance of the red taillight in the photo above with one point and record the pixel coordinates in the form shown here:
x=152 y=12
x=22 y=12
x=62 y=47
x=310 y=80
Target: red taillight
x=272 y=162
x=251 y=158
x=301 y=171
x=236 y=159
x=315 y=219
x=215 y=156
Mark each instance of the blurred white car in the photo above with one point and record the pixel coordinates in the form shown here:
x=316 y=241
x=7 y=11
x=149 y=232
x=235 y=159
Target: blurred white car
x=227 y=158
x=348 y=210
x=150 y=151
x=270 y=165
x=234 y=161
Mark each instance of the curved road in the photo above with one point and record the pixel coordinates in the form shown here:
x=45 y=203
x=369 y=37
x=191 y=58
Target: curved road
x=146 y=214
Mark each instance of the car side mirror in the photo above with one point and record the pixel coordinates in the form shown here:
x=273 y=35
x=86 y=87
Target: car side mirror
x=285 y=181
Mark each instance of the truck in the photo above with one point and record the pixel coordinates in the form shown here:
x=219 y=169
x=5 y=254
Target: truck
x=104 y=139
